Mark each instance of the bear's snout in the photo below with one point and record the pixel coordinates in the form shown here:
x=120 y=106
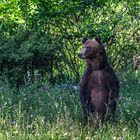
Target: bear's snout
x=81 y=54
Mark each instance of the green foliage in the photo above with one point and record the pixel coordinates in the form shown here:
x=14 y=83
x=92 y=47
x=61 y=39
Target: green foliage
x=40 y=39
x=46 y=112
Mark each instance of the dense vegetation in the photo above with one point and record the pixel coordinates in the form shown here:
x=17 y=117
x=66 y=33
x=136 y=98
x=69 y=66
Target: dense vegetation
x=40 y=39
x=40 y=70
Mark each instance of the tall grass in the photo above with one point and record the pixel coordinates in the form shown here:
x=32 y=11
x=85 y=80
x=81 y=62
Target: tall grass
x=51 y=113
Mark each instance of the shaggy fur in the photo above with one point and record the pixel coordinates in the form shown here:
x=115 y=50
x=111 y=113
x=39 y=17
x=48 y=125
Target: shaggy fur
x=99 y=87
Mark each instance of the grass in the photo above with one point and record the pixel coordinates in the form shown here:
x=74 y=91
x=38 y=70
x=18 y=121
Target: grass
x=54 y=113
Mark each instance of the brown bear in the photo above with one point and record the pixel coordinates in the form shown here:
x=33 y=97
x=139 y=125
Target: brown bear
x=99 y=87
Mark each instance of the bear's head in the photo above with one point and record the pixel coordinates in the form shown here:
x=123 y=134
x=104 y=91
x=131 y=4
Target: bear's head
x=92 y=48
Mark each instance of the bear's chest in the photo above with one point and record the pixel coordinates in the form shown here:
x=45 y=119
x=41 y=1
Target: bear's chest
x=98 y=78
x=99 y=89
x=95 y=82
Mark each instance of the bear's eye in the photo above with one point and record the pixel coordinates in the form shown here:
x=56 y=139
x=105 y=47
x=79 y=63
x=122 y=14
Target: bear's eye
x=88 y=47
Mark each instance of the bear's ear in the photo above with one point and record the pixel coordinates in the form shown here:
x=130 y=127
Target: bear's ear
x=84 y=40
x=98 y=39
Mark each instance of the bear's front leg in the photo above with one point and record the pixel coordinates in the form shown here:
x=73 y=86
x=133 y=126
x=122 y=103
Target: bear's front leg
x=86 y=105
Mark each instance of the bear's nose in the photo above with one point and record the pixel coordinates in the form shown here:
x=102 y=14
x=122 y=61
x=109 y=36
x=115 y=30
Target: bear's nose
x=79 y=55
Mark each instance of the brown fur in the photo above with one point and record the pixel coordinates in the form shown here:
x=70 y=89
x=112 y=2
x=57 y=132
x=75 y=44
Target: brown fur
x=99 y=86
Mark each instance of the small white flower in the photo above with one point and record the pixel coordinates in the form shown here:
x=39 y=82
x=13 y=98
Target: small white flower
x=120 y=138
x=87 y=138
x=117 y=138
x=28 y=126
x=75 y=87
x=65 y=134
x=125 y=129
x=114 y=138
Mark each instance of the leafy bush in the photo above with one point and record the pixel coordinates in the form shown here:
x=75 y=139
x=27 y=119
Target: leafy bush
x=40 y=39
